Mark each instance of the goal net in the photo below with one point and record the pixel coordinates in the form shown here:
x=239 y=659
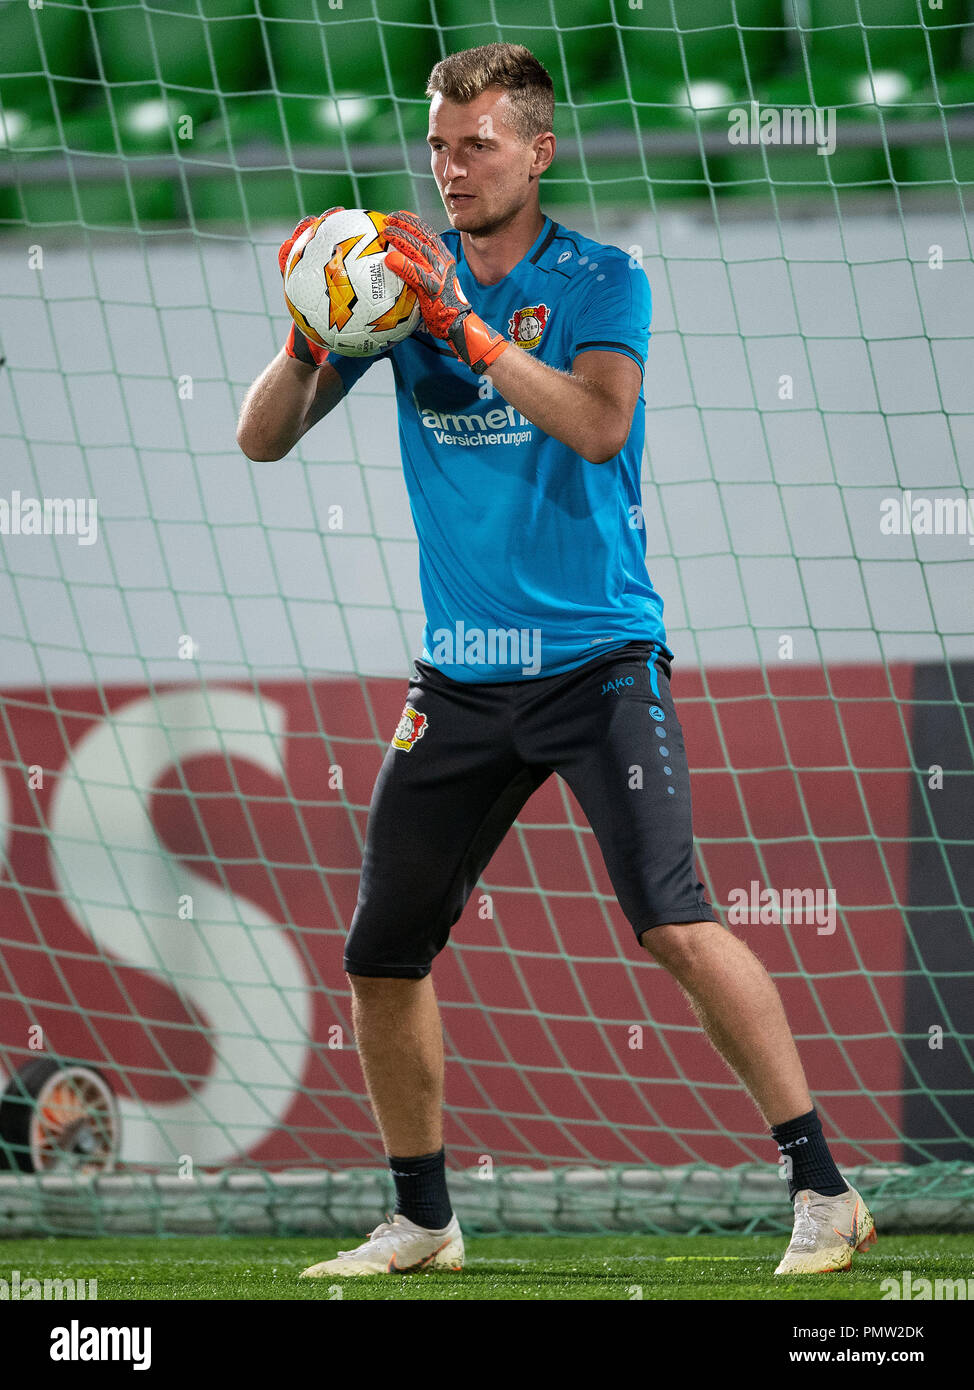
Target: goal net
x=203 y=659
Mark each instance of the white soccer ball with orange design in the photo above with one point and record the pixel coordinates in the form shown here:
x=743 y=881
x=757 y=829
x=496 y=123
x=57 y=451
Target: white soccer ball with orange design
x=339 y=291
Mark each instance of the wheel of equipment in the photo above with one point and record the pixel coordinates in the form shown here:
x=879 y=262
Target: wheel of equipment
x=59 y=1117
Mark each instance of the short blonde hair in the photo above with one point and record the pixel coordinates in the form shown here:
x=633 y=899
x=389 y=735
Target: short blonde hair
x=463 y=76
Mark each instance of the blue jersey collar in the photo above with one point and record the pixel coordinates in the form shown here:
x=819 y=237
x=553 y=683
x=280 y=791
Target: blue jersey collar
x=544 y=237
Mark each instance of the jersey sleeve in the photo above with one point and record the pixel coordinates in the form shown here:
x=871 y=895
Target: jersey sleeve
x=615 y=313
x=351 y=368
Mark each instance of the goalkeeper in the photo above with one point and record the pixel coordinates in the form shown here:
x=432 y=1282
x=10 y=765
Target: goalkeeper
x=521 y=419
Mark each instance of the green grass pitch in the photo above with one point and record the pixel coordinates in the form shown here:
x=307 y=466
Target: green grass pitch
x=523 y=1267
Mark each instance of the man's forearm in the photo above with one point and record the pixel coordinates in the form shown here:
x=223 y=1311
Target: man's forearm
x=591 y=411
x=566 y=406
x=274 y=409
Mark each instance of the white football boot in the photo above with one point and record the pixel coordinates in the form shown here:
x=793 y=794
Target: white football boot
x=398 y=1247
x=827 y=1231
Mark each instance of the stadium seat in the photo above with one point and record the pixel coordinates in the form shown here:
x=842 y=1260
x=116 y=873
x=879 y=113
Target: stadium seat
x=108 y=201
x=316 y=50
x=339 y=79
x=645 y=109
x=100 y=204
x=860 y=162
x=890 y=35
x=206 y=47
x=261 y=182
x=32 y=80
x=625 y=182
x=285 y=195
x=30 y=125
x=324 y=121
x=66 y=52
x=140 y=124
x=670 y=82
x=142 y=119
x=582 y=44
x=945 y=159
x=163 y=65
x=301 y=130
x=726 y=42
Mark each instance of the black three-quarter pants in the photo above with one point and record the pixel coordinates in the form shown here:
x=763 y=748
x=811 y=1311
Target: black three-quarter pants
x=464 y=760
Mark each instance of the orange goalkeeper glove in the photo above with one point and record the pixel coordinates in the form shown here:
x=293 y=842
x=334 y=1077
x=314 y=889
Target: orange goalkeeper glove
x=423 y=261
x=297 y=345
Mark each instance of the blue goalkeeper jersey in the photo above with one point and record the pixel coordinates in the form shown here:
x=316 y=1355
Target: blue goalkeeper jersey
x=532 y=560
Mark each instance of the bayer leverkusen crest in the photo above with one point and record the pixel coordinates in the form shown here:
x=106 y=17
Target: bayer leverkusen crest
x=411 y=726
x=527 y=325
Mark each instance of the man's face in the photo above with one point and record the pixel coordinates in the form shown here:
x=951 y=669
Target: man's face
x=481 y=166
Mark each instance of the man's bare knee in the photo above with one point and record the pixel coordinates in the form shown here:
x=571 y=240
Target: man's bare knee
x=389 y=989
x=675 y=942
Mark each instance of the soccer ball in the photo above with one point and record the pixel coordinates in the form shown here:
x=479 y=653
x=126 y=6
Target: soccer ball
x=339 y=291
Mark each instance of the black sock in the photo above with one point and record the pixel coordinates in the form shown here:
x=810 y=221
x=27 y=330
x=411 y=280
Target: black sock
x=421 y=1193
x=803 y=1142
